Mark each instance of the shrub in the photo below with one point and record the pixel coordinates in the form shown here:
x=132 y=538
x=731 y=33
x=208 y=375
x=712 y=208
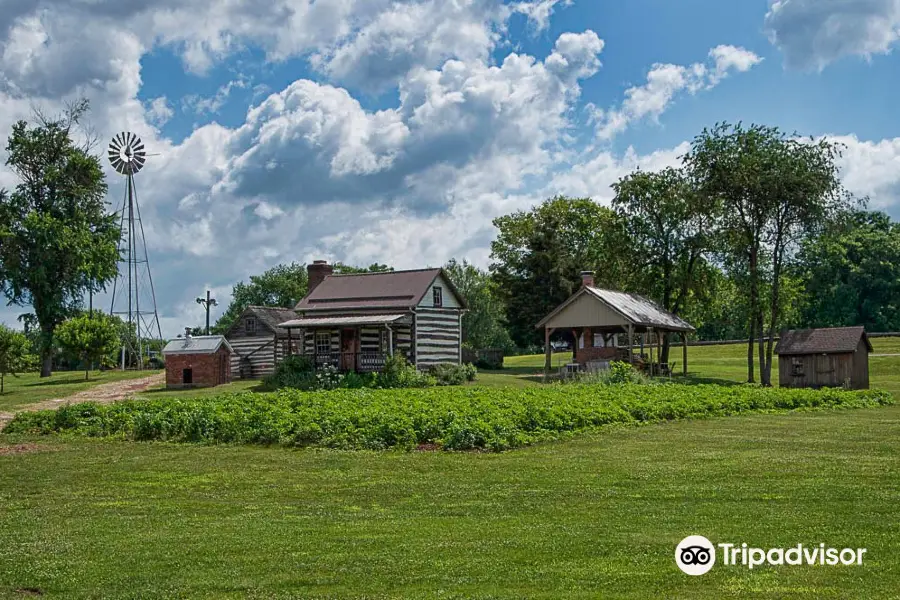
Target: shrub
x=295 y=371
x=398 y=373
x=455 y=418
x=618 y=372
x=450 y=374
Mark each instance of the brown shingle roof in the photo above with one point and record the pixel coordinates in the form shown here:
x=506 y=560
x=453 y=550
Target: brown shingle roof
x=270 y=316
x=392 y=290
x=834 y=340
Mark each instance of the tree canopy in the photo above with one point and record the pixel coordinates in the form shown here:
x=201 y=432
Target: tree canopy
x=93 y=338
x=57 y=239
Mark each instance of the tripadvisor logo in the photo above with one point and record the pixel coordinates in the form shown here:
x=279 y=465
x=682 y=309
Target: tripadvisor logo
x=696 y=555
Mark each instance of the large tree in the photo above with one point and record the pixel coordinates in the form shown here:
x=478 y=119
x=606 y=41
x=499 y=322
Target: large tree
x=667 y=226
x=483 y=322
x=851 y=273
x=775 y=189
x=538 y=255
x=57 y=239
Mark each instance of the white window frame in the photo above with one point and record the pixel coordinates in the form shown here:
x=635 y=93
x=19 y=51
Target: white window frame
x=437 y=296
x=320 y=344
x=250 y=324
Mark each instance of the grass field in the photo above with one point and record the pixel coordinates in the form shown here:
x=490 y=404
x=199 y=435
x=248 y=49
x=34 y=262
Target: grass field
x=29 y=388
x=596 y=516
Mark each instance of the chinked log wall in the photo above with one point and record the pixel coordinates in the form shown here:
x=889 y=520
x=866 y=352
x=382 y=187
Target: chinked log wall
x=254 y=357
x=437 y=336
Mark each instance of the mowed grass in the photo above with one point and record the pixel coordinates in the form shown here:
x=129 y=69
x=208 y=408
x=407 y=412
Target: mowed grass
x=29 y=388
x=598 y=516
x=594 y=517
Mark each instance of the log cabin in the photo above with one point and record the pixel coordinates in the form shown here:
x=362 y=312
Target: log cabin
x=353 y=322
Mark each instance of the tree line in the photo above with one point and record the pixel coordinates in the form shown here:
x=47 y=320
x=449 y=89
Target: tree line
x=752 y=232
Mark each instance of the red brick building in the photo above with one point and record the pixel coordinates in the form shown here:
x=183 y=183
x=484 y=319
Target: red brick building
x=198 y=361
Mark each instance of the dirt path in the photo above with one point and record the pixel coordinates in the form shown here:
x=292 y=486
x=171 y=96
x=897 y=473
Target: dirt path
x=103 y=393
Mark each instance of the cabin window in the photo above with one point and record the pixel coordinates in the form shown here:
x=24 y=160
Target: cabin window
x=323 y=342
x=438 y=296
x=796 y=367
x=250 y=325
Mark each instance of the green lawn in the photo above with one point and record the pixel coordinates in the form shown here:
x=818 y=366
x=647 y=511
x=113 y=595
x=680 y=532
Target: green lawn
x=30 y=388
x=598 y=516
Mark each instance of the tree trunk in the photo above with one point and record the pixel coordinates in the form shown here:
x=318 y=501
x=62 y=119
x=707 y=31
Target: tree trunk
x=750 y=340
x=760 y=328
x=775 y=304
x=664 y=356
x=46 y=351
x=2 y=378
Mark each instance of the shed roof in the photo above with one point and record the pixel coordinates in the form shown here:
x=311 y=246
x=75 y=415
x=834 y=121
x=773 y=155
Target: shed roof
x=633 y=308
x=340 y=321
x=391 y=290
x=197 y=344
x=832 y=340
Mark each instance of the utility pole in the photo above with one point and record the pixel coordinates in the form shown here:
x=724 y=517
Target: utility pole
x=206 y=304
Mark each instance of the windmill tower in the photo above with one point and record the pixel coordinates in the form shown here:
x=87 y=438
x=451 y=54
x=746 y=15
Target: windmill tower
x=133 y=297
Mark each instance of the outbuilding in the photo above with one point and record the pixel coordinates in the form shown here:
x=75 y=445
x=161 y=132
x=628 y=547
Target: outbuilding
x=832 y=357
x=198 y=361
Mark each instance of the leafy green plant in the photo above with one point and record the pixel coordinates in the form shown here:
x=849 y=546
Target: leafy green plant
x=450 y=374
x=295 y=371
x=398 y=373
x=93 y=338
x=454 y=418
x=15 y=354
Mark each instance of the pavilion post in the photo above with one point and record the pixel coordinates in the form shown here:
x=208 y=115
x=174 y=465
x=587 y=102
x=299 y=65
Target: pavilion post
x=548 y=360
x=650 y=349
x=290 y=347
x=684 y=353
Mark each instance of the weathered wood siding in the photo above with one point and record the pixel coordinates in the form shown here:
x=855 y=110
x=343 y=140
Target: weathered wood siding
x=825 y=370
x=254 y=357
x=586 y=309
x=437 y=334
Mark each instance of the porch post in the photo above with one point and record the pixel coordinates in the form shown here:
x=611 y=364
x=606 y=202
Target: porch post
x=684 y=352
x=631 y=343
x=649 y=336
x=547 y=353
x=390 y=337
x=290 y=349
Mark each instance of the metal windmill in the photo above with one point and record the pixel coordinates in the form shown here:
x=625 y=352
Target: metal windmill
x=133 y=296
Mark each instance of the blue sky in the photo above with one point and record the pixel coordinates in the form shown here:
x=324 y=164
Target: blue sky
x=395 y=131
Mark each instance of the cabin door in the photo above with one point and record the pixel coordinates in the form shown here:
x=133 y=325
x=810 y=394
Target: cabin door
x=348 y=349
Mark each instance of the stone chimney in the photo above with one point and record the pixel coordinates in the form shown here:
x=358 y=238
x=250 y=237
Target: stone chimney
x=587 y=279
x=317 y=272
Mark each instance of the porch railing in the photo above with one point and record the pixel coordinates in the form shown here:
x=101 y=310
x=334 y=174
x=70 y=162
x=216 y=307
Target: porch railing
x=361 y=362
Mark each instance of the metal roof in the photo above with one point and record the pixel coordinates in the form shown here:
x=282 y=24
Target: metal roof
x=833 y=340
x=634 y=308
x=197 y=344
x=341 y=321
x=387 y=290
x=640 y=310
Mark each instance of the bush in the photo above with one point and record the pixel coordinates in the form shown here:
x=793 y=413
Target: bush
x=454 y=418
x=295 y=371
x=398 y=373
x=450 y=374
x=618 y=372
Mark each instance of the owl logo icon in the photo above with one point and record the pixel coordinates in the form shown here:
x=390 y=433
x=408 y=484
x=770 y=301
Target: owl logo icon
x=695 y=555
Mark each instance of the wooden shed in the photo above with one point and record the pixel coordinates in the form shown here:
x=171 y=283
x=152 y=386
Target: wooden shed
x=258 y=342
x=833 y=357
